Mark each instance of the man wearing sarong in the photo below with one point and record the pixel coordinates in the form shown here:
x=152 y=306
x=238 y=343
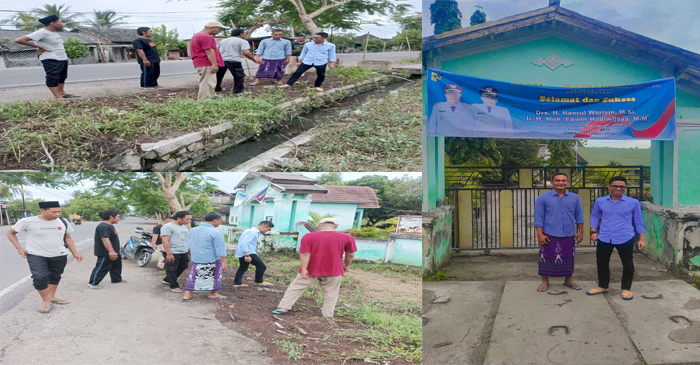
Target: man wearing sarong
x=208 y=249
x=616 y=220
x=559 y=226
x=275 y=53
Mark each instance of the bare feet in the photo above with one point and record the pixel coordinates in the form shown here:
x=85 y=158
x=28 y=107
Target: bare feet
x=570 y=283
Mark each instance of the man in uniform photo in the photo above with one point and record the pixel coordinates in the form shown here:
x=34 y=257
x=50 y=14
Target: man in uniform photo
x=496 y=118
x=452 y=116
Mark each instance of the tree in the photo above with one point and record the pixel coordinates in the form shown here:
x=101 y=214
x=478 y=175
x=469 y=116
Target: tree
x=478 y=17
x=461 y=151
x=561 y=153
x=315 y=217
x=106 y=19
x=165 y=39
x=20 y=209
x=411 y=28
x=249 y=14
x=62 y=11
x=518 y=152
x=445 y=15
x=75 y=49
x=90 y=206
x=344 y=41
x=403 y=193
x=331 y=178
x=23 y=21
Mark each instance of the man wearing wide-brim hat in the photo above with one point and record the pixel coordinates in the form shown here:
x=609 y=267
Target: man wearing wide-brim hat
x=206 y=58
x=52 y=54
x=48 y=243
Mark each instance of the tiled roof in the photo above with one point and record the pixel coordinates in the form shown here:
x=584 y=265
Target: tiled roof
x=115 y=35
x=364 y=196
x=14 y=34
x=274 y=176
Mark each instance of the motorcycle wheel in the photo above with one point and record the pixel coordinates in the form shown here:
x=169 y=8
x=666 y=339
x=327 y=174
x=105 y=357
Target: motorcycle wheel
x=144 y=258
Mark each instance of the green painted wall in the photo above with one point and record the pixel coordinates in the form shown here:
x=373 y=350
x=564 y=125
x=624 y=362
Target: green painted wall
x=662 y=173
x=513 y=64
x=688 y=167
x=407 y=251
x=369 y=250
x=343 y=212
x=687 y=105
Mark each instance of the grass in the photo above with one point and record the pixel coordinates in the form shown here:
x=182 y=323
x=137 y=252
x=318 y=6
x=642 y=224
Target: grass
x=384 y=135
x=293 y=350
x=626 y=156
x=438 y=276
x=409 y=61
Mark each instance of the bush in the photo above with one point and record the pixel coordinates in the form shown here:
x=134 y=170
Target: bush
x=370 y=232
x=74 y=49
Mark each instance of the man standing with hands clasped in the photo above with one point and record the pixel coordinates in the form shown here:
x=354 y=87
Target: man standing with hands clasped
x=48 y=242
x=107 y=251
x=559 y=226
x=615 y=221
x=321 y=256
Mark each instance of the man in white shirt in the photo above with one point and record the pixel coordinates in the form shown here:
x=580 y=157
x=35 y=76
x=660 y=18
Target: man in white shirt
x=316 y=54
x=52 y=54
x=496 y=119
x=48 y=243
x=233 y=50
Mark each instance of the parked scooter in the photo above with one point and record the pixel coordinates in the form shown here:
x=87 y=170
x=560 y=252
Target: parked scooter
x=77 y=222
x=139 y=248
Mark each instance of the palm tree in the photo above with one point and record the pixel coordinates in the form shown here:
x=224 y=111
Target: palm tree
x=315 y=218
x=23 y=21
x=60 y=11
x=106 y=19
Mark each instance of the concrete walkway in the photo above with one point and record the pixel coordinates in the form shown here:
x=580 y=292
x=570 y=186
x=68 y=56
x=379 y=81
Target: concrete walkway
x=138 y=322
x=497 y=321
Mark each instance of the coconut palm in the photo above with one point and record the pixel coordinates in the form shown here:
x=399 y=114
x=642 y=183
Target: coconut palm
x=23 y=21
x=61 y=11
x=315 y=218
x=106 y=19
x=8 y=191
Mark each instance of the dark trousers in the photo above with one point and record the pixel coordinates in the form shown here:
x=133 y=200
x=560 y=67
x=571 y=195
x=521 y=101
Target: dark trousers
x=625 y=250
x=175 y=269
x=259 y=269
x=150 y=75
x=105 y=265
x=46 y=270
x=320 y=72
x=56 y=72
x=238 y=73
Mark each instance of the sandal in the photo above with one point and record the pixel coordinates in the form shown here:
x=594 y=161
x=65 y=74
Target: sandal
x=96 y=287
x=45 y=309
x=60 y=302
x=176 y=290
x=241 y=286
x=264 y=284
x=626 y=296
x=597 y=291
x=218 y=296
x=121 y=281
x=186 y=300
x=284 y=86
x=318 y=89
x=542 y=288
x=574 y=286
x=279 y=312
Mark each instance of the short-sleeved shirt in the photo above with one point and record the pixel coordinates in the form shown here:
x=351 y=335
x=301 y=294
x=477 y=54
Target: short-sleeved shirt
x=51 y=41
x=199 y=43
x=156 y=231
x=105 y=230
x=232 y=49
x=178 y=237
x=327 y=249
x=296 y=48
x=149 y=49
x=44 y=238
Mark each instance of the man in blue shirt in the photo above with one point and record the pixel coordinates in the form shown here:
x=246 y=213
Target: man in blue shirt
x=616 y=219
x=559 y=226
x=247 y=254
x=208 y=250
x=275 y=52
x=315 y=54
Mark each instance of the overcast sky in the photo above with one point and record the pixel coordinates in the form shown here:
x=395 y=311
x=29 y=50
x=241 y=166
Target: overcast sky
x=227 y=182
x=188 y=17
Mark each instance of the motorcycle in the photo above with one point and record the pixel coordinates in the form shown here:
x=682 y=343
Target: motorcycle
x=77 y=222
x=139 y=248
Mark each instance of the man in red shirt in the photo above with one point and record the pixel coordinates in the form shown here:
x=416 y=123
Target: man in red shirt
x=321 y=255
x=206 y=59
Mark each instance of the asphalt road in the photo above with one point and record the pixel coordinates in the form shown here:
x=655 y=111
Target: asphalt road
x=34 y=76
x=15 y=279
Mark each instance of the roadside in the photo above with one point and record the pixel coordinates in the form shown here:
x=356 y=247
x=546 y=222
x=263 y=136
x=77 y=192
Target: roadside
x=376 y=321
x=485 y=310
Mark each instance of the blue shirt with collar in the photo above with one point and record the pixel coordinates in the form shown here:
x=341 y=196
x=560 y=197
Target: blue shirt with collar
x=271 y=49
x=248 y=242
x=617 y=222
x=317 y=54
x=207 y=244
x=558 y=215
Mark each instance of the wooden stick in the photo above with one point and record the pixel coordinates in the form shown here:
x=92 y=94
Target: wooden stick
x=366 y=43
x=409 y=44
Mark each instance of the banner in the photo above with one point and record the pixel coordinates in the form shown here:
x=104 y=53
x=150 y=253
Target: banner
x=464 y=106
x=242 y=198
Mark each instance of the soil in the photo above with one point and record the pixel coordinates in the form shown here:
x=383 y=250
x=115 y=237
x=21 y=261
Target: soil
x=248 y=311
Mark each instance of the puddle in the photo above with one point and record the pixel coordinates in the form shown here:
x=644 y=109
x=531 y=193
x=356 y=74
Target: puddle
x=298 y=125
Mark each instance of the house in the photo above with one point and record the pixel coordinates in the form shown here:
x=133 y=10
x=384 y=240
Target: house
x=114 y=42
x=345 y=203
x=17 y=55
x=544 y=154
x=219 y=197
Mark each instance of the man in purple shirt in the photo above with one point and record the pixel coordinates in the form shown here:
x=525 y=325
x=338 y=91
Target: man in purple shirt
x=559 y=226
x=615 y=221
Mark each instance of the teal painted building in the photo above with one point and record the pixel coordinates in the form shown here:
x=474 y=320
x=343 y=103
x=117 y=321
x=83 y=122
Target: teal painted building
x=529 y=49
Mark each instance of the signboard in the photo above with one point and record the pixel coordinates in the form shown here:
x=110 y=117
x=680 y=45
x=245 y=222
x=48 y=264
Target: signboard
x=464 y=106
x=410 y=224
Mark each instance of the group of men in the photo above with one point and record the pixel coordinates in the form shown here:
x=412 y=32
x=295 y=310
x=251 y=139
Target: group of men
x=275 y=56
x=616 y=224
x=325 y=255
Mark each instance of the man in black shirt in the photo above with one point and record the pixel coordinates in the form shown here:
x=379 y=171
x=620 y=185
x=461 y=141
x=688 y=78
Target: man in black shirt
x=107 y=251
x=297 y=47
x=148 y=57
x=157 y=242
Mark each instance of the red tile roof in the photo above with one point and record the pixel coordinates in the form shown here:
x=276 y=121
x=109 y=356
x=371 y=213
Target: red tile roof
x=364 y=196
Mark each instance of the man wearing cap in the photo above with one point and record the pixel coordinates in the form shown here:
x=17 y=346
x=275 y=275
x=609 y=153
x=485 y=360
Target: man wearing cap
x=297 y=46
x=495 y=119
x=452 y=117
x=246 y=252
x=52 y=54
x=48 y=243
x=207 y=59
x=275 y=52
x=321 y=256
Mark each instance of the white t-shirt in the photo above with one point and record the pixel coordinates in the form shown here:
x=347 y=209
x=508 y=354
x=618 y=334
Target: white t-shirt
x=232 y=49
x=51 y=41
x=44 y=238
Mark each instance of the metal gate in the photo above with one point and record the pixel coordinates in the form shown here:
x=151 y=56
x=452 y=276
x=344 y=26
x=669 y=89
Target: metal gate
x=495 y=206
